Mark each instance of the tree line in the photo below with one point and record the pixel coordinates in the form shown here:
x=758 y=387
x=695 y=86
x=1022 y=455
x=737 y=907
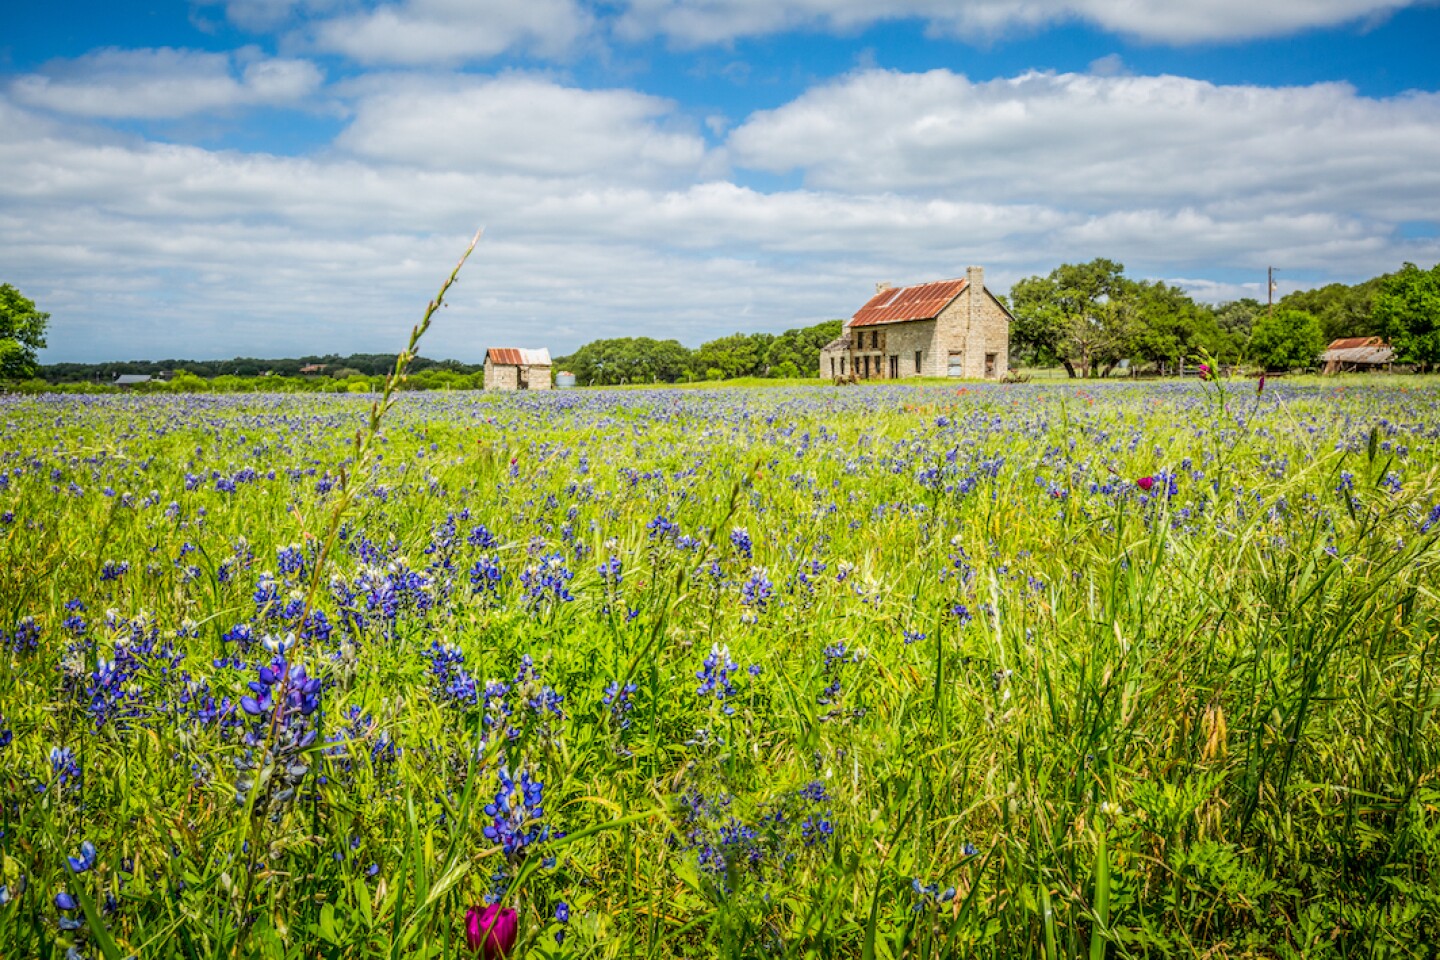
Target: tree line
x=335 y=367
x=1090 y=318
x=794 y=353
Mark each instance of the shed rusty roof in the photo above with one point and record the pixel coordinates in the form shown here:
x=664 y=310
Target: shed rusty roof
x=516 y=357
x=1350 y=343
x=924 y=301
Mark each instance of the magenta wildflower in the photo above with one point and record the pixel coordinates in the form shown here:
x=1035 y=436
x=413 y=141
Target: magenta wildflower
x=1145 y=483
x=492 y=930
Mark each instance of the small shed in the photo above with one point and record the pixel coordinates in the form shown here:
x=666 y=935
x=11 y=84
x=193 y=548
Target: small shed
x=514 y=368
x=132 y=379
x=1356 y=355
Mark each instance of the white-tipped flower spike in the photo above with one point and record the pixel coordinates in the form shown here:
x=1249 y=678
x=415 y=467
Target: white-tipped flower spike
x=279 y=645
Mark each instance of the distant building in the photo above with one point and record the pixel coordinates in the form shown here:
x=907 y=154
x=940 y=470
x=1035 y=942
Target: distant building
x=131 y=379
x=944 y=328
x=564 y=380
x=1357 y=354
x=510 y=368
x=314 y=369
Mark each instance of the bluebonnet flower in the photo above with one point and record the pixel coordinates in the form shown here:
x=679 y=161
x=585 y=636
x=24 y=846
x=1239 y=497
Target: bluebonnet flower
x=26 y=636
x=562 y=915
x=662 y=528
x=756 y=592
x=482 y=538
x=517 y=814
x=740 y=538
x=547 y=580
x=913 y=636
x=617 y=698
x=487 y=577
x=451 y=682
x=64 y=767
x=714 y=677
x=114 y=569
x=85 y=861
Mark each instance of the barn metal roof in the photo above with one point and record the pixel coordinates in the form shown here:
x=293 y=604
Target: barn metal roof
x=924 y=301
x=1347 y=343
x=517 y=357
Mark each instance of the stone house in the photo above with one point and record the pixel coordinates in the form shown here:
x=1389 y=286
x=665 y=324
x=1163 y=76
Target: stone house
x=944 y=328
x=510 y=368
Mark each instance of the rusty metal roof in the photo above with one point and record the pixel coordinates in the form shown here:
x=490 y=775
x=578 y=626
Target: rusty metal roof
x=924 y=301
x=516 y=357
x=1348 y=343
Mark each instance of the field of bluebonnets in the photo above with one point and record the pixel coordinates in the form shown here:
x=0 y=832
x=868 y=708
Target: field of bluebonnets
x=878 y=672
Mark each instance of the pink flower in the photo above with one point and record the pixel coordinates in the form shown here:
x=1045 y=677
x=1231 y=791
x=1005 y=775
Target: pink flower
x=1145 y=483
x=492 y=930
x=1260 y=387
x=1204 y=371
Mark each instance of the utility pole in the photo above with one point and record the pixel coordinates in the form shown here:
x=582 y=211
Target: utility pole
x=1270 y=292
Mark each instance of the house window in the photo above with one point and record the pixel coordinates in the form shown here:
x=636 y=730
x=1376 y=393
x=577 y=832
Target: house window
x=956 y=367
x=917 y=363
x=990 y=365
x=842 y=366
x=894 y=366
x=832 y=366
x=875 y=340
x=867 y=366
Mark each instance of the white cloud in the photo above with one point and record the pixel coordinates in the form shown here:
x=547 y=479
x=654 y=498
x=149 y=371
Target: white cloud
x=1098 y=144
x=428 y=32
x=697 y=22
x=523 y=125
x=165 y=83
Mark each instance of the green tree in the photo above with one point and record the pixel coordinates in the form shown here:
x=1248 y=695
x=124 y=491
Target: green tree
x=1342 y=311
x=1172 y=328
x=1407 y=307
x=1286 y=339
x=22 y=333
x=1081 y=315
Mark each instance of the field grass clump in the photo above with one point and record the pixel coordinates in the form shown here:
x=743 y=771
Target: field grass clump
x=877 y=672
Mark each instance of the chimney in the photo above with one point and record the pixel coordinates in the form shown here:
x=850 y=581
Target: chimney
x=976 y=276
x=884 y=285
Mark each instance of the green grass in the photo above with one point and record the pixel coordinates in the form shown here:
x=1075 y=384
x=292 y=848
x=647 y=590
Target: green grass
x=1082 y=719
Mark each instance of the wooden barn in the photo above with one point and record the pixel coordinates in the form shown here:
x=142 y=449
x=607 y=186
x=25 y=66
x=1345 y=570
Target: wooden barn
x=513 y=368
x=1357 y=355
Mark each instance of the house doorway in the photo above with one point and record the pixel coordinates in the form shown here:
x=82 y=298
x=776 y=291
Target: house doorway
x=894 y=366
x=956 y=367
x=990 y=366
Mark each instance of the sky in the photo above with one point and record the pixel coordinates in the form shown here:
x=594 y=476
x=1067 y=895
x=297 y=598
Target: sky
x=271 y=178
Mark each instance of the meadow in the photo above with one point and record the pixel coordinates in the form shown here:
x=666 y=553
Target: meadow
x=1122 y=670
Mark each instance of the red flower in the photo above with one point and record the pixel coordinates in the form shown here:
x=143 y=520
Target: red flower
x=1145 y=483
x=1260 y=387
x=492 y=930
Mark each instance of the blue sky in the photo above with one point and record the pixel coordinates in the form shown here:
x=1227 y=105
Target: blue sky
x=278 y=177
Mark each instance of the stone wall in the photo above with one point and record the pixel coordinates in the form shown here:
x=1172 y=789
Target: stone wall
x=976 y=327
x=501 y=377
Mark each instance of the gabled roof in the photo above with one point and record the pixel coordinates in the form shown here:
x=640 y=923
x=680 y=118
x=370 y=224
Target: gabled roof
x=1349 y=343
x=924 y=301
x=516 y=357
x=127 y=379
x=841 y=342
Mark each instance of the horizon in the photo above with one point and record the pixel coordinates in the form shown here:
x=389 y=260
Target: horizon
x=278 y=176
